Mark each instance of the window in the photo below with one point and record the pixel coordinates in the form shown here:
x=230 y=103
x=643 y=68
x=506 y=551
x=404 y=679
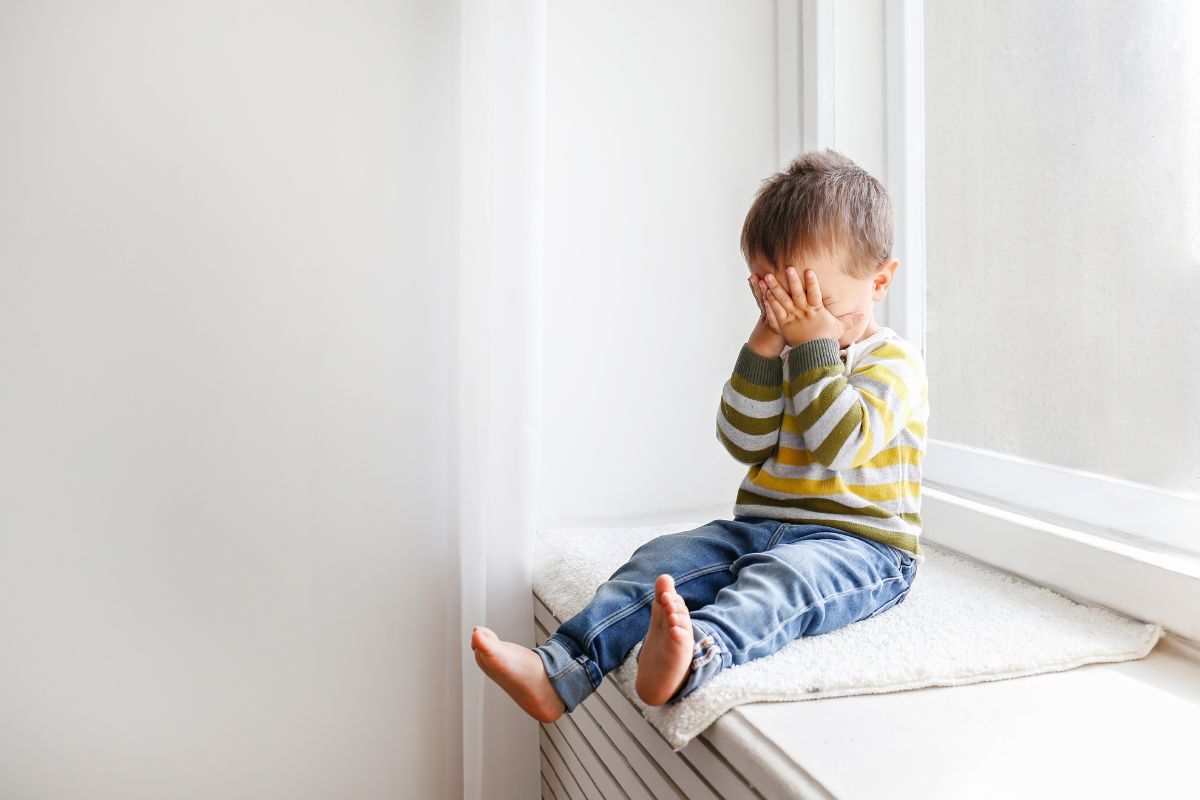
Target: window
x=1062 y=258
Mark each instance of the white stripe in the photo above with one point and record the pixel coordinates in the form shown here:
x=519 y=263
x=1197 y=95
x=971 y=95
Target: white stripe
x=906 y=438
x=862 y=476
x=760 y=409
x=821 y=429
x=845 y=498
x=802 y=398
x=845 y=457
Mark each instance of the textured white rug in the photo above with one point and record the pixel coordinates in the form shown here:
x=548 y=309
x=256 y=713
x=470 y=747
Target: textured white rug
x=962 y=622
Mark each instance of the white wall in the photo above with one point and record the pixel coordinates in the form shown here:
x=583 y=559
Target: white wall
x=223 y=327
x=661 y=123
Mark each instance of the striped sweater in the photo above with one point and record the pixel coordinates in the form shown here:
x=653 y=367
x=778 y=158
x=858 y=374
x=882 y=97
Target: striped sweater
x=832 y=443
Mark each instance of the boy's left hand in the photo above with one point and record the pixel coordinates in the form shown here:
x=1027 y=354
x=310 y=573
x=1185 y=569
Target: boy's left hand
x=800 y=312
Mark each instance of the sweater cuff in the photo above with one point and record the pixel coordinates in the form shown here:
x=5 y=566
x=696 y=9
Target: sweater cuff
x=759 y=369
x=812 y=354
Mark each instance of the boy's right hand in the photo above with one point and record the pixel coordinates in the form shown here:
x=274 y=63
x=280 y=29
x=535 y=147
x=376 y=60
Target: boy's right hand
x=765 y=339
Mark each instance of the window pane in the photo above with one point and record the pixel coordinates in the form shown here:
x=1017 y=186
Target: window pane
x=1063 y=233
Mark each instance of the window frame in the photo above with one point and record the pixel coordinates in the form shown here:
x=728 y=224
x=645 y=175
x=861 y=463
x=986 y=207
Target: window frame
x=1033 y=510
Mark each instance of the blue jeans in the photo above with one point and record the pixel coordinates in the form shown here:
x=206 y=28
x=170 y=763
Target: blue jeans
x=751 y=585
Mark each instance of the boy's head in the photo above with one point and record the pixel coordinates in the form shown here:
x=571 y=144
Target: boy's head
x=827 y=214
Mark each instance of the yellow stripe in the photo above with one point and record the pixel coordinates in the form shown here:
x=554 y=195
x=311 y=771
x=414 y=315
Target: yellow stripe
x=881 y=373
x=793 y=457
x=891 y=457
x=868 y=442
x=892 y=352
x=877 y=493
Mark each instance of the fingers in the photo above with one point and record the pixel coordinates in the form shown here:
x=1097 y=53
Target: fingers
x=772 y=321
x=754 y=291
x=812 y=289
x=780 y=295
x=757 y=289
x=759 y=294
x=795 y=286
x=780 y=314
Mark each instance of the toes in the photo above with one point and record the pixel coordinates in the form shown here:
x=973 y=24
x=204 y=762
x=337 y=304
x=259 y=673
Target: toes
x=483 y=640
x=658 y=608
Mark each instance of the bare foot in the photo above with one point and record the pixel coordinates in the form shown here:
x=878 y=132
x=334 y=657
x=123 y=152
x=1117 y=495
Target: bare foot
x=520 y=672
x=667 y=649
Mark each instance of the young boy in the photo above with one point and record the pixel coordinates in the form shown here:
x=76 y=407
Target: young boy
x=829 y=409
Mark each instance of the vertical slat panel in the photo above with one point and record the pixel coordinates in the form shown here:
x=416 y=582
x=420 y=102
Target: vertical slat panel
x=609 y=788
x=574 y=765
x=569 y=780
x=627 y=774
x=680 y=771
x=647 y=769
x=552 y=777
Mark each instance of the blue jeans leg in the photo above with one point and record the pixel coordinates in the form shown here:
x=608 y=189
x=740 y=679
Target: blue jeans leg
x=813 y=580
x=600 y=637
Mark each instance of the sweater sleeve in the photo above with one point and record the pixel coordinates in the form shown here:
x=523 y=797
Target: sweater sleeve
x=751 y=411
x=846 y=420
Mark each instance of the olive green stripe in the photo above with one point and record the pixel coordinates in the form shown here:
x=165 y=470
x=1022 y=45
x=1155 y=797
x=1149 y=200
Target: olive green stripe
x=745 y=456
x=759 y=369
x=753 y=426
x=799 y=382
x=817 y=408
x=905 y=541
x=755 y=391
x=814 y=504
x=850 y=421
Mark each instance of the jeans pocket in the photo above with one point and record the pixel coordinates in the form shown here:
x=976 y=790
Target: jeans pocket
x=895 y=601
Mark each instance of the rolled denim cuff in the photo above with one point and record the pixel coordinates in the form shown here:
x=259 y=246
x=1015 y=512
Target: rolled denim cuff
x=569 y=674
x=709 y=656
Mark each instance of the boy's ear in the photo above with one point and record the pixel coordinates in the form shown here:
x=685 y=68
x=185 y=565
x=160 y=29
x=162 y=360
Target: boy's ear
x=883 y=278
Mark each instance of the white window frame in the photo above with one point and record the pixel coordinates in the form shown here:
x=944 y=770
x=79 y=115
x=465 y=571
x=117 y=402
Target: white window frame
x=1129 y=546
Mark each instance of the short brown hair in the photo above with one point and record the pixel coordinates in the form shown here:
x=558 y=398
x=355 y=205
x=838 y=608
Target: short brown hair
x=823 y=201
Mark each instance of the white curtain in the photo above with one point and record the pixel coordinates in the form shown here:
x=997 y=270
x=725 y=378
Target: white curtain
x=496 y=411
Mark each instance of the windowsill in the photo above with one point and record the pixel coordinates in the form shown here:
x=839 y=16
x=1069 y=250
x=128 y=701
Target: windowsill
x=1139 y=582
